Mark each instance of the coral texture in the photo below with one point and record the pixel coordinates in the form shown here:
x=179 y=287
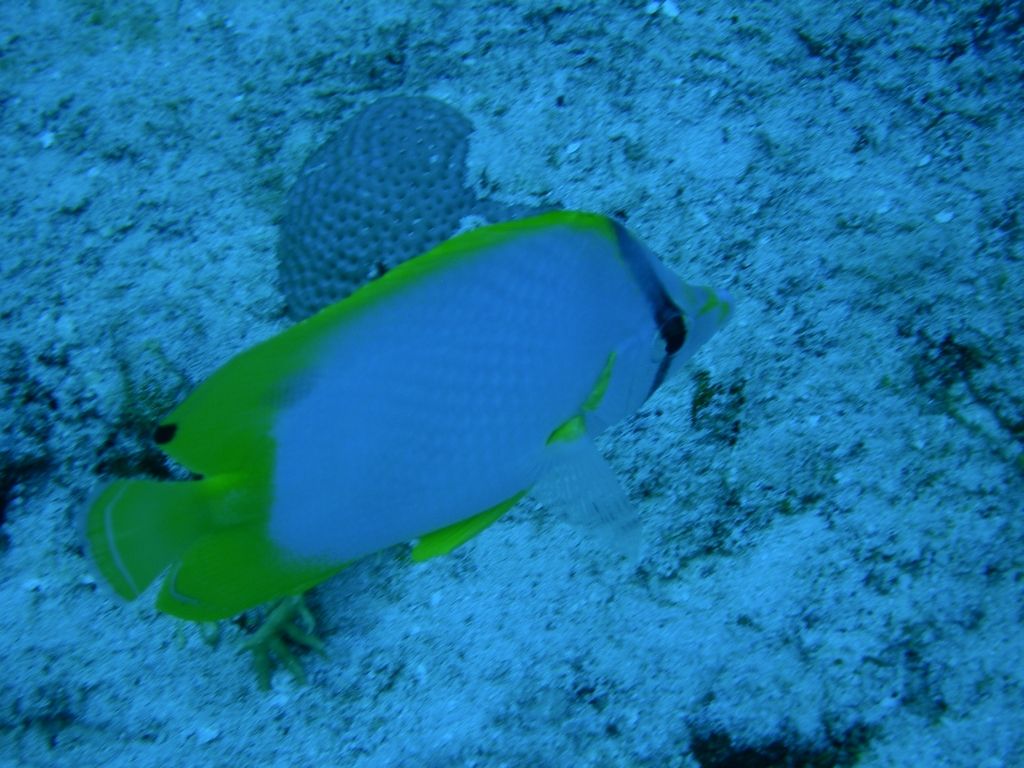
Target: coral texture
x=389 y=185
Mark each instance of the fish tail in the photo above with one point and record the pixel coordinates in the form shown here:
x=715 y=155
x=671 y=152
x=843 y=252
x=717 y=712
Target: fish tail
x=137 y=528
x=210 y=536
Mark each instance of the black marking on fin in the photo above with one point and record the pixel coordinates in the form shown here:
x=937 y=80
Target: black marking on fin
x=165 y=433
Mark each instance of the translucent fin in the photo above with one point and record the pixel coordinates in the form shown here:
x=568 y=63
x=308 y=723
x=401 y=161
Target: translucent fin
x=233 y=570
x=580 y=485
x=445 y=540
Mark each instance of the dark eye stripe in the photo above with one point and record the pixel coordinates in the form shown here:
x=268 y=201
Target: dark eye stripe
x=673 y=331
x=668 y=318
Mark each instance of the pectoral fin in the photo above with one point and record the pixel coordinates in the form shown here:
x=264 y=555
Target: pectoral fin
x=580 y=485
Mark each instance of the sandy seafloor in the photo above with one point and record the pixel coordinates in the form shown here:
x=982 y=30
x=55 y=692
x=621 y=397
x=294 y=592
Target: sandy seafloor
x=832 y=494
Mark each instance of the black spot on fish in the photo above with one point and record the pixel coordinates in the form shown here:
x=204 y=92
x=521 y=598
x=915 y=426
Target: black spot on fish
x=165 y=433
x=673 y=332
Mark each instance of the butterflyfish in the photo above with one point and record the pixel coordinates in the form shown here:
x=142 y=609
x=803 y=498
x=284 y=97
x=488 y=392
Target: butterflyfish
x=419 y=409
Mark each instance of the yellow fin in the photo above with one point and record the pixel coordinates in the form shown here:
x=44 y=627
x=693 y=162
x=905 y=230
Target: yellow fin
x=233 y=570
x=576 y=427
x=445 y=540
x=601 y=385
x=211 y=533
x=136 y=528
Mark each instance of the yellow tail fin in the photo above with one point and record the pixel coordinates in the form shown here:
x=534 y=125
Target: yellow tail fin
x=211 y=537
x=137 y=528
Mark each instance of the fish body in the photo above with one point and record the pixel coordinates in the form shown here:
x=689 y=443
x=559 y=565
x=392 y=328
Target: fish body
x=421 y=407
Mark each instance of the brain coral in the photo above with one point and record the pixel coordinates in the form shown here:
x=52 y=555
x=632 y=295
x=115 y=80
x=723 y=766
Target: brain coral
x=387 y=186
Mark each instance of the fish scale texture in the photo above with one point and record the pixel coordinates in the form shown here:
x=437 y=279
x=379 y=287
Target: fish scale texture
x=389 y=185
